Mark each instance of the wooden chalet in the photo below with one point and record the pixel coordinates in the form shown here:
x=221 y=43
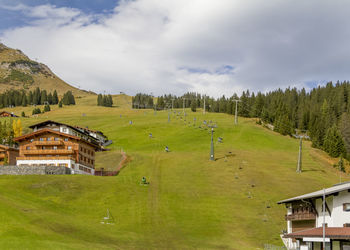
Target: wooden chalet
x=52 y=147
x=8 y=155
x=7 y=114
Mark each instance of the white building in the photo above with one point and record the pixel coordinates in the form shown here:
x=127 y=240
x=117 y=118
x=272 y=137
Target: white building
x=305 y=217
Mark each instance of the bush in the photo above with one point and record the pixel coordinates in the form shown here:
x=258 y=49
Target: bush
x=36 y=111
x=47 y=108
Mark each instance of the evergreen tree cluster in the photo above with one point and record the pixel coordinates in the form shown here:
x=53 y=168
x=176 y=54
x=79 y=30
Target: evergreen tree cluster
x=142 y=101
x=22 y=98
x=104 y=100
x=68 y=98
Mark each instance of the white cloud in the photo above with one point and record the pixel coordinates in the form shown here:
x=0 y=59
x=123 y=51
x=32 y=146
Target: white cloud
x=178 y=46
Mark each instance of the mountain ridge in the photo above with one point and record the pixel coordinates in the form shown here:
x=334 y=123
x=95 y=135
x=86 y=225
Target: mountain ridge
x=19 y=72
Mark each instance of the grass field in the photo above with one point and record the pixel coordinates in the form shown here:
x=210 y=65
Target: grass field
x=191 y=202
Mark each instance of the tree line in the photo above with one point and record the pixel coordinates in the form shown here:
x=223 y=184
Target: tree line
x=13 y=98
x=322 y=113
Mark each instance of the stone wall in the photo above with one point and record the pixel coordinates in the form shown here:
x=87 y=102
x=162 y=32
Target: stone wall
x=33 y=170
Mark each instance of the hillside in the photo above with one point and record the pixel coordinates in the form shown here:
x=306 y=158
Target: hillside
x=191 y=202
x=17 y=71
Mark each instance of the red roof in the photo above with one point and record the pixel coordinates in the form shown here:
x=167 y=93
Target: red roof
x=331 y=232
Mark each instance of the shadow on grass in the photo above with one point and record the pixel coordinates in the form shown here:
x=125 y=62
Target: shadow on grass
x=313 y=170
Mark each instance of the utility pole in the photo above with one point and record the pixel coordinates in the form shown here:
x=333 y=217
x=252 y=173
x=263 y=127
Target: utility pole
x=183 y=104
x=212 y=158
x=236 y=113
x=168 y=116
x=212 y=146
x=324 y=219
x=172 y=104
x=204 y=106
x=300 y=155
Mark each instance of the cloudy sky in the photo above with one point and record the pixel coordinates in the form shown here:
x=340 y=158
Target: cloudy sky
x=174 y=46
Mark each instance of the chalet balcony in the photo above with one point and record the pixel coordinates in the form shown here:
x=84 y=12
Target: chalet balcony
x=48 y=152
x=48 y=143
x=46 y=158
x=301 y=215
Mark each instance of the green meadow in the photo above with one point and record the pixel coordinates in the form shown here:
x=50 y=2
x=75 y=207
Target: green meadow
x=190 y=203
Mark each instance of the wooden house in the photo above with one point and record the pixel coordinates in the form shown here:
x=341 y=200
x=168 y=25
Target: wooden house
x=7 y=114
x=57 y=144
x=8 y=155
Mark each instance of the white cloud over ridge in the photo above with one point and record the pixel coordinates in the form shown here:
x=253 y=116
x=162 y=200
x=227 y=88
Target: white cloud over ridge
x=212 y=47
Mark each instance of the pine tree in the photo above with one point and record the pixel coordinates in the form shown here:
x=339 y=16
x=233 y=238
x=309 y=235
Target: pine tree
x=55 y=97
x=193 y=106
x=333 y=142
x=43 y=98
x=99 y=100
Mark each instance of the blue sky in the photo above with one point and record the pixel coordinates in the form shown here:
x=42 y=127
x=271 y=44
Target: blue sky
x=10 y=18
x=166 y=46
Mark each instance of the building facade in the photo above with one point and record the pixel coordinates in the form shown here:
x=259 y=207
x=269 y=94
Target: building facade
x=305 y=218
x=8 y=155
x=57 y=146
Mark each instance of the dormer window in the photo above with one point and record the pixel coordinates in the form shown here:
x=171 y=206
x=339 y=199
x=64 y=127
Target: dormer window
x=346 y=207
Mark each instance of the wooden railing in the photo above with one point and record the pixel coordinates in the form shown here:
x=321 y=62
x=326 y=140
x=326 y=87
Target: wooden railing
x=48 y=152
x=47 y=142
x=46 y=158
x=301 y=216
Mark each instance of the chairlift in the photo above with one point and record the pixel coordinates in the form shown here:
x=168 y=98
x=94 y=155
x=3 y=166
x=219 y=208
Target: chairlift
x=108 y=219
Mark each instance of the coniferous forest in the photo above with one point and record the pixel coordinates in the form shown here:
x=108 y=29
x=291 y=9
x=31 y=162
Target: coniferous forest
x=322 y=113
x=13 y=98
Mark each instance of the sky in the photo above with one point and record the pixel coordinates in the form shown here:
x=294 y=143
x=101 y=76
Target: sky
x=207 y=46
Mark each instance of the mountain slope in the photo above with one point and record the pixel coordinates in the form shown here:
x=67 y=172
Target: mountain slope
x=17 y=71
x=191 y=202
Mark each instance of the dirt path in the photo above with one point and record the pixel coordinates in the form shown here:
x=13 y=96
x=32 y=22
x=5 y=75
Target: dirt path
x=121 y=163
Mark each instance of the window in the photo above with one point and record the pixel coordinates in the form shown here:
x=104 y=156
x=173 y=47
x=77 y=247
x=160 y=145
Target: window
x=49 y=138
x=44 y=147
x=57 y=139
x=31 y=140
x=27 y=148
x=64 y=130
x=65 y=139
x=346 y=207
x=54 y=147
x=69 y=147
x=41 y=139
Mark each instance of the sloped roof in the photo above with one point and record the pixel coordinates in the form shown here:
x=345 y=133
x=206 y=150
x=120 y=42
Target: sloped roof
x=40 y=124
x=6 y=147
x=47 y=130
x=330 y=232
x=318 y=194
x=6 y=112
